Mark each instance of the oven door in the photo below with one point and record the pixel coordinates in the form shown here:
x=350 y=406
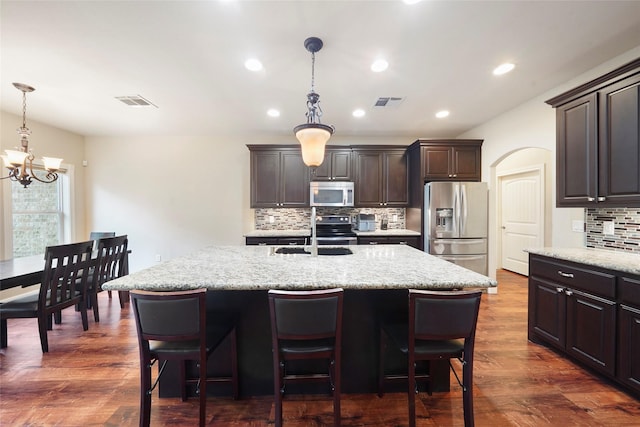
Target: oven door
x=338 y=240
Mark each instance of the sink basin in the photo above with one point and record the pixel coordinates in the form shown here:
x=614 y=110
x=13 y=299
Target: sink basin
x=321 y=250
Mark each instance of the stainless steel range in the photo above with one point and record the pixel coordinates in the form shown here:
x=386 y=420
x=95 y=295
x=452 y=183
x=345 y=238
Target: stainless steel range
x=335 y=230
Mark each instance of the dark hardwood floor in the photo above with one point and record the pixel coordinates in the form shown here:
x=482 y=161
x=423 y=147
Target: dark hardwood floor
x=91 y=378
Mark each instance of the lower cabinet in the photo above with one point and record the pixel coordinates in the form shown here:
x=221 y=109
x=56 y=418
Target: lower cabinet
x=275 y=241
x=588 y=314
x=413 y=241
x=629 y=333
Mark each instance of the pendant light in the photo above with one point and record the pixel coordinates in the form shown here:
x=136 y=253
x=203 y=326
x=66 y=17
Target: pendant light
x=313 y=135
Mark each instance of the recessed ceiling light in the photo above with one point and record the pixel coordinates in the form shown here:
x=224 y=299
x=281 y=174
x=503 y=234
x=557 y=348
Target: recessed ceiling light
x=503 y=69
x=442 y=114
x=272 y=112
x=252 y=64
x=358 y=113
x=379 y=65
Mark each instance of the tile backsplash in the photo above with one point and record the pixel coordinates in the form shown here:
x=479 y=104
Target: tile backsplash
x=626 y=229
x=300 y=219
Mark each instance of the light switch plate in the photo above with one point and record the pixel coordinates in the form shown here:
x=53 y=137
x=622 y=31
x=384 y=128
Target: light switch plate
x=577 y=225
x=608 y=228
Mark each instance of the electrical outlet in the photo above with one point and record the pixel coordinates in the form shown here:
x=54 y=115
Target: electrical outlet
x=577 y=225
x=608 y=228
x=394 y=218
x=272 y=219
x=158 y=258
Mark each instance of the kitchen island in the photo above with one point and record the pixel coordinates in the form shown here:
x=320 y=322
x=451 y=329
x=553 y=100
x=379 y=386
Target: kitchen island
x=375 y=280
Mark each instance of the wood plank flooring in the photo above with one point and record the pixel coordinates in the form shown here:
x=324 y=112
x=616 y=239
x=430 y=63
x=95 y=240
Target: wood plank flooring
x=91 y=379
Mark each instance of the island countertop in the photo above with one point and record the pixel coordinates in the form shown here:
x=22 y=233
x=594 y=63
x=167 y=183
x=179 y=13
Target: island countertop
x=259 y=268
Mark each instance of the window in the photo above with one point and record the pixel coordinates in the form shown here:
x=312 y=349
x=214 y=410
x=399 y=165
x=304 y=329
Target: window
x=38 y=216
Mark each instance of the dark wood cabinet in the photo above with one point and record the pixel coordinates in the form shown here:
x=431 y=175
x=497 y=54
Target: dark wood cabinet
x=279 y=177
x=284 y=241
x=446 y=160
x=629 y=332
x=589 y=313
x=413 y=241
x=574 y=309
x=576 y=151
x=619 y=144
x=598 y=141
x=335 y=167
x=381 y=176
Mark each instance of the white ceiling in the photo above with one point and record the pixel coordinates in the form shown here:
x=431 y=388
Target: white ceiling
x=187 y=58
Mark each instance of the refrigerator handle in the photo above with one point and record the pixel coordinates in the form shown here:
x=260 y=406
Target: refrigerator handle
x=456 y=210
x=463 y=209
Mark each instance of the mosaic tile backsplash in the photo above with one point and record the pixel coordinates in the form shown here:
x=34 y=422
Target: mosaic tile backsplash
x=627 y=229
x=300 y=219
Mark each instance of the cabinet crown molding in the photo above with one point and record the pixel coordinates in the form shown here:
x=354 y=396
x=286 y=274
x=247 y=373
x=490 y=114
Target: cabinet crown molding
x=620 y=73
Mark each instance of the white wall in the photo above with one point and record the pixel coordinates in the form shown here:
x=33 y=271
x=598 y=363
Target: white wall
x=44 y=141
x=532 y=124
x=172 y=195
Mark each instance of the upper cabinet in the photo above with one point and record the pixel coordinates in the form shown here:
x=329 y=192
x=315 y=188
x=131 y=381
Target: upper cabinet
x=336 y=165
x=598 y=141
x=381 y=176
x=279 y=177
x=447 y=160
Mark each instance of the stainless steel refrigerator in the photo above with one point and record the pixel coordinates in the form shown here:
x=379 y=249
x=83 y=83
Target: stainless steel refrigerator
x=455 y=223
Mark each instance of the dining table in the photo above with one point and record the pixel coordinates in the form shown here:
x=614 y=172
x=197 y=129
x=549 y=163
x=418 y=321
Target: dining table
x=21 y=271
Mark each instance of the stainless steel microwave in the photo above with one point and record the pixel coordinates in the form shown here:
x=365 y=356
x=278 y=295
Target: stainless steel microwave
x=331 y=193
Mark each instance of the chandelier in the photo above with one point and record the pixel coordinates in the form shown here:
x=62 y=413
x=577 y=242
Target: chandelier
x=18 y=160
x=313 y=135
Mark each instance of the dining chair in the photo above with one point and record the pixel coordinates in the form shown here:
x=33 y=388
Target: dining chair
x=441 y=325
x=95 y=236
x=110 y=264
x=306 y=325
x=174 y=326
x=64 y=284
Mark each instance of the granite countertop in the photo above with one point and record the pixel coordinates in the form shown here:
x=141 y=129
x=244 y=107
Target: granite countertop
x=258 y=267
x=389 y=232
x=306 y=233
x=613 y=260
x=279 y=233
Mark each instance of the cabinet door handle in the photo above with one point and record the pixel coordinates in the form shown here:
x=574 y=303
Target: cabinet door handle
x=560 y=290
x=602 y=199
x=373 y=243
x=591 y=199
x=569 y=275
x=568 y=293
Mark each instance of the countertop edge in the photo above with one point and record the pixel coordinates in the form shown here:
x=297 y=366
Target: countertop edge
x=611 y=260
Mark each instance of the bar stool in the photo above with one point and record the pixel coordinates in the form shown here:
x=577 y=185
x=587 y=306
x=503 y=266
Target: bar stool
x=441 y=325
x=306 y=325
x=173 y=326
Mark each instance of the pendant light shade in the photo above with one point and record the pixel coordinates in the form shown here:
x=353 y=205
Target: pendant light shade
x=313 y=135
x=313 y=138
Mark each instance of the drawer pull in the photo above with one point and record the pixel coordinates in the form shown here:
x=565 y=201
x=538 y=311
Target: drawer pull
x=373 y=243
x=569 y=275
x=559 y=290
x=568 y=293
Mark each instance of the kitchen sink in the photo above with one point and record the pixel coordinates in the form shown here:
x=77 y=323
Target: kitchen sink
x=321 y=250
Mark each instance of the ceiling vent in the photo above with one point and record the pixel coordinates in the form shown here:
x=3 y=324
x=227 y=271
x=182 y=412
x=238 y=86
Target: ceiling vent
x=135 y=101
x=388 y=101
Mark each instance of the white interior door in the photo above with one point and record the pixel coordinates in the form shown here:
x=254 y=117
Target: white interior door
x=522 y=216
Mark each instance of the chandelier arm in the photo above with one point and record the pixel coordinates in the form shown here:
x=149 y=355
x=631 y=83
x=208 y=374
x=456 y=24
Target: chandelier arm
x=49 y=177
